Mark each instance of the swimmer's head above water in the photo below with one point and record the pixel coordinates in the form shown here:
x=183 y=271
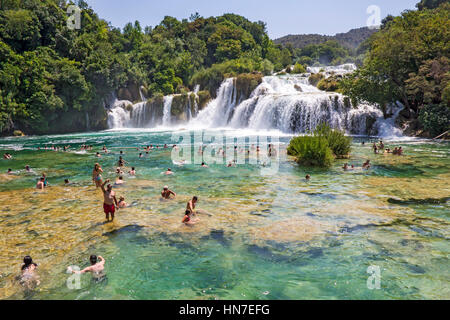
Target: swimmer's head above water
x=93 y=259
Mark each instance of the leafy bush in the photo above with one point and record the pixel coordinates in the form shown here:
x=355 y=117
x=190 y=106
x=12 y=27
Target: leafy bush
x=339 y=144
x=320 y=148
x=311 y=151
x=299 y=68
x=331 y=84
x=435 y=118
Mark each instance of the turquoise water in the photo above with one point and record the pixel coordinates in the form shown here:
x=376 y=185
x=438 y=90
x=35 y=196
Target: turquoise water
x=259 y=236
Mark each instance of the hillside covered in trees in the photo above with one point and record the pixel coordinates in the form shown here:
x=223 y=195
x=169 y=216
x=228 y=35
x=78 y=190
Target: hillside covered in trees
x=349 y=40
x=54 y=79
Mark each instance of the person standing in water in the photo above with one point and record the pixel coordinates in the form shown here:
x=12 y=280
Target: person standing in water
x=166 y=193
x=110 y=201
x=191 y=205
x=97 y=175
x=96 y=268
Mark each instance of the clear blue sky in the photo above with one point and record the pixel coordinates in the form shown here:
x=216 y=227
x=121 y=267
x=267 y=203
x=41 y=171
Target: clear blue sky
x=282 y=16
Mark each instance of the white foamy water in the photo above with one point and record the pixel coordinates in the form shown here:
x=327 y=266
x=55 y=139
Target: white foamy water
x=288 y=104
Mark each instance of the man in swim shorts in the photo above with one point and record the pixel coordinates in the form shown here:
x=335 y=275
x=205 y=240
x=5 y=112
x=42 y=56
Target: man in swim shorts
x=166 y=193
x=110 y=201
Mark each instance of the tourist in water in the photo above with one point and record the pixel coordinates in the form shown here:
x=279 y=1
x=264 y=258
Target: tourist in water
x=104 y=149
x=366 y=165
x=308 y=177
x=28 y=169
x=121 y=162
x=167 y=193
x=395 y=152
x=66 y=182
x=388 y=151
x=375 y=148
x=97 y=175
x=10 y=171
x=132 y=172
x=96 y=268
x=140 y=155
x=122 y=204
x=381 y=146
x=98 y=155
x=119 y=171
x=400 y=151
x=40 y=184
x=29 y=278
x=204 y=165
x=168 y=172
x=191 y=204
x=272 y=151
x=119 y=181
x=110 y=200
x=345 y=167
x=45 y=179
x=187 y=219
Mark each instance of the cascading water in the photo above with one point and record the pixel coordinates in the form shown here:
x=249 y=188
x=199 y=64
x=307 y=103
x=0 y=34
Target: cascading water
x=167 y=111
x=289 y=104
x=286 y=103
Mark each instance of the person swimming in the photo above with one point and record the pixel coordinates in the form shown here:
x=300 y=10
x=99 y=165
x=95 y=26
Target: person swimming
x=121 y=162
x=96 y=268
x=187 y=219
x=10 y=171
x=345 y=167
x=98 y=155
x=132 y=172
x=40 y=184
x=366 y=165
x=204 y=165
x=122 y=204
x=167 y=193
x=168 y=172
x=308 y=177
x=29 y=278
x=119 y=181
x=97 y=175
x=66 y=182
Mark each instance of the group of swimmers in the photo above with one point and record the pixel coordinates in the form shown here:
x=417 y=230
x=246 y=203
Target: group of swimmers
x=380 y=148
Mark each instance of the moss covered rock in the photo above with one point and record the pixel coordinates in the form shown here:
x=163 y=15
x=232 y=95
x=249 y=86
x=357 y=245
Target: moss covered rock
x=245 y=84
x=203 y=98
x=18 y=133
x=315 y=78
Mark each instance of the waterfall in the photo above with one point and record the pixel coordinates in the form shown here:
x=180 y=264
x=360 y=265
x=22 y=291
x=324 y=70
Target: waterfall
x=167 y=116
x=217 y=112
x=139 y=115
x=287 y=103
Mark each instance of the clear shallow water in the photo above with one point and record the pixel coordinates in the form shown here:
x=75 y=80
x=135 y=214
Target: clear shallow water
x=259 y=237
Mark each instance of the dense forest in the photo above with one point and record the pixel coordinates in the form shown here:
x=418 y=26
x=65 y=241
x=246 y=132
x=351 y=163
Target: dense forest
x=408 y=61
x=55 y=79
x=349 y=40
